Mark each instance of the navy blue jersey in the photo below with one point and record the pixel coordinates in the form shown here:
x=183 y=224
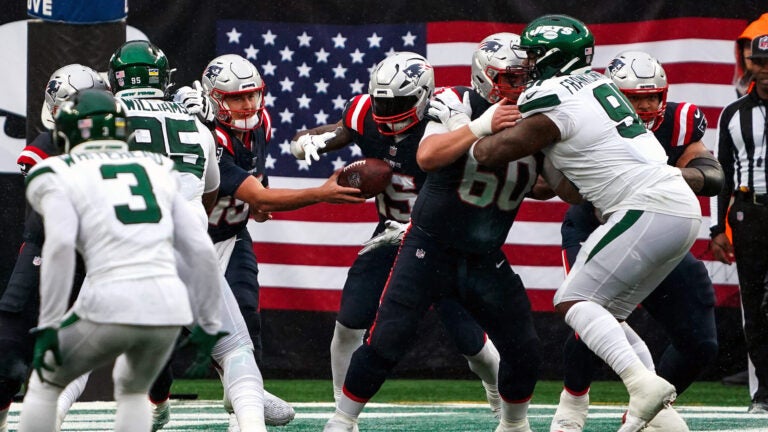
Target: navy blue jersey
x=237 y=161
x=397 y=200
x=34 y=152
x=683 y=124
x=471 y=207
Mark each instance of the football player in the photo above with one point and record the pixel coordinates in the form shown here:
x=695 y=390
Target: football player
x=452 y=249
x=590 y=132
x=133 y=303
x=242 y=130
x=687 y=290
x=387 y=123
x=19 y=306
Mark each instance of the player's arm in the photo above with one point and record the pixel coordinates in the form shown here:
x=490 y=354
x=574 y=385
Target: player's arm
x=701 y=170
x=269 y=200
x=58 y=268
x=308 y=144
x=212 y=177
x=197 y=265
x=526 y=138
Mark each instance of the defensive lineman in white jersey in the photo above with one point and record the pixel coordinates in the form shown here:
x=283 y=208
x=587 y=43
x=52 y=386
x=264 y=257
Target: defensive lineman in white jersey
x=590 y=132
x=139 y=74
x=122 y=212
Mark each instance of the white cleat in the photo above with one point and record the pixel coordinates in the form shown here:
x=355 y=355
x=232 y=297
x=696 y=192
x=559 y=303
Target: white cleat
x=571 y=414
x=648 y=394
x=667 y=420
x=161 y=415
x=277 y=412
x=341 y=423
x=492 y=394
x=518 y=426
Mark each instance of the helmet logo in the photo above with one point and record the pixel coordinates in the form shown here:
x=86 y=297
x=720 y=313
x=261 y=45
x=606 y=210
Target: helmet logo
x=213 y=72
x=415 y=71
x=550 y=32
x=85 y=126
x=120 y=75
x=490 y=46
x=53 y=88
x=616 y=65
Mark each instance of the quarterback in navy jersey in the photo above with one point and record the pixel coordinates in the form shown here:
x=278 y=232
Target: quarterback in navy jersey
x=687 y=291
x=453 y=250
x=20 y=302
x=380 y=136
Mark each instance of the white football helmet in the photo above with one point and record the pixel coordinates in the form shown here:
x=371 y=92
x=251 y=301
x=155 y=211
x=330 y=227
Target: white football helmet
x=229 y=75
x=497 y=69
x=636 y=73
x=65 y=83
x=400 y=88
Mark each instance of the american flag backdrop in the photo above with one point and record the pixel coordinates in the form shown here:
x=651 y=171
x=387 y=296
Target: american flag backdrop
x=312 y=70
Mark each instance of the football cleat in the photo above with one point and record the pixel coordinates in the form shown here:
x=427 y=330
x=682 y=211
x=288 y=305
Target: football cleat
x=667 y=420
x=571 y=413
x=492 y=394
x=341 y=423
x=517 y=426
x=277 y=412
x=648 y=394
x=161 y=415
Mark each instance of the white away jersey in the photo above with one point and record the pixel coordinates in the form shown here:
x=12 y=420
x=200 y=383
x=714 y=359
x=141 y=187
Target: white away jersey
x=124 y=204
x=167 y=128
x=604 y=149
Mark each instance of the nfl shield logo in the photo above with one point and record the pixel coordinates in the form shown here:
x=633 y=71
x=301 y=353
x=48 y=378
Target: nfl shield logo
x=763 y=43
x=420 y=253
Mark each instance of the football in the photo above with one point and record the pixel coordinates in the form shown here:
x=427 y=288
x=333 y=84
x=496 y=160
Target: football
x=370 y=175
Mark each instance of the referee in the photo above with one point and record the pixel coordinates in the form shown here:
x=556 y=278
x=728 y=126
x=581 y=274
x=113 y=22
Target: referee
x=741 y=149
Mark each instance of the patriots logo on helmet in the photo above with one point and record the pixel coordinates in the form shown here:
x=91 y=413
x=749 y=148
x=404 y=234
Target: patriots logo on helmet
x=213 y=72
x=616 y=65
x=490 y=46
x=415 y=71
x=53 y=88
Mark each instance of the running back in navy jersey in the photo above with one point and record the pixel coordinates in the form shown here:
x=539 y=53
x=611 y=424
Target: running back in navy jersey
x=472 y=205
x=237 y=161
x=397 y=200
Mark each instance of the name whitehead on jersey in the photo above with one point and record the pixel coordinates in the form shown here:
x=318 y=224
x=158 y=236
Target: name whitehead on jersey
x=73 y=158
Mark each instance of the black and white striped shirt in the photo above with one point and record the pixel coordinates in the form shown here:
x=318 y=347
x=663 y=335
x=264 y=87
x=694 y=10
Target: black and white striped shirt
x=741 y=149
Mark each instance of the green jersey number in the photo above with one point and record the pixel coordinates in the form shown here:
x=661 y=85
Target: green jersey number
x=483 y=188
x=171 y=140
x=141 y=187
x=619 y=110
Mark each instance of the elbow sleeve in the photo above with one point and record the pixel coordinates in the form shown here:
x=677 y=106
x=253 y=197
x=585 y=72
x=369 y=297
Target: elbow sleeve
x=712 y=172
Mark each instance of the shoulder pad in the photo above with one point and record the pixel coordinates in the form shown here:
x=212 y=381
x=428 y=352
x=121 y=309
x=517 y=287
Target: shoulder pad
x=267 y=124
x=689 y=124
x=223 y=139
x=356 y=111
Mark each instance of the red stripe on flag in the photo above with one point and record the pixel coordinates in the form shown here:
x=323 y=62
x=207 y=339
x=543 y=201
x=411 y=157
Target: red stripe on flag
x=712 y=114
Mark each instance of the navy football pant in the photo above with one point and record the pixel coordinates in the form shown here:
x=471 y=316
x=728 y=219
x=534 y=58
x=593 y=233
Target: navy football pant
x=362 y=290
x=485 y=285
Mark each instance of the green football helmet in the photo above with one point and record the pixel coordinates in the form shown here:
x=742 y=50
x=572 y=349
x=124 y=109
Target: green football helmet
x=139 y=69
x=91 y=115
x=559 y=45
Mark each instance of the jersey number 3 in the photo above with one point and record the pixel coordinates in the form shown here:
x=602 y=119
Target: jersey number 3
x=142 y=188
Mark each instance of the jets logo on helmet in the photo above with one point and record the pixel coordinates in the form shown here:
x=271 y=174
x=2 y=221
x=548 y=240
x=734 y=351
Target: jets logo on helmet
x=550 y=32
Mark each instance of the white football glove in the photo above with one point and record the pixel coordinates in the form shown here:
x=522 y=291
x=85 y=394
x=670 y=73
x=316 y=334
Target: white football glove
x=306 y=146
x=451 y=111
x=481 y=126
x=197 y=102
x=392 y=235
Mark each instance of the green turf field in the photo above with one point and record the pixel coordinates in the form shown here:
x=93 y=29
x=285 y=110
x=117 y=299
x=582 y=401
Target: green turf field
x=426 y=405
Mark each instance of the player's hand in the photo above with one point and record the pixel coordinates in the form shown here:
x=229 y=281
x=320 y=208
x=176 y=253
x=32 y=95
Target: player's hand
x=204 y=343
x=306 y=146
x=260 y=216
x=722 y=249
x=392 y=235
x=505 y=115
x=197 y=102
x=449 y=110
x=46 y=339
x=332 y=192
